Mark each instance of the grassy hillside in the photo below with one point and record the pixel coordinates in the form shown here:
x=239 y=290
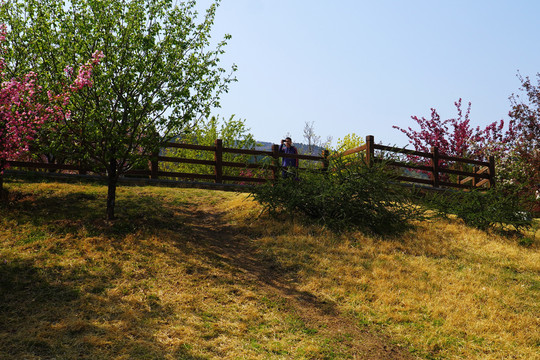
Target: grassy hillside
x=195 y=274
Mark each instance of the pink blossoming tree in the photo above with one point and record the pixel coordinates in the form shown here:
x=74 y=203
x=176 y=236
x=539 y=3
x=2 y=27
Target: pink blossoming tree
x=525 y=124
x=515 y=147
x=24 y=107
x=454 y=136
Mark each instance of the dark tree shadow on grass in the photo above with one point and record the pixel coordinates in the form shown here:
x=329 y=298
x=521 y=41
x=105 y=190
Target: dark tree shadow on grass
x=68 y=213
x=64 y=312
x=67 y=312
x=42 y=316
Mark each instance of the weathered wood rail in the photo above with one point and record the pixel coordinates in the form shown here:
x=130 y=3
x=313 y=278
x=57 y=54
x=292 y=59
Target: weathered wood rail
x=270 y=165
x=436 y=165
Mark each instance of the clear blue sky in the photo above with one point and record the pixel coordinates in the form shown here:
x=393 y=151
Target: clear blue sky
x=356 y=66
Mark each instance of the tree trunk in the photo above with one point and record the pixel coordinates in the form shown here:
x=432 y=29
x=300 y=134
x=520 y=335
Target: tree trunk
x=3 y=193
x=111 y=193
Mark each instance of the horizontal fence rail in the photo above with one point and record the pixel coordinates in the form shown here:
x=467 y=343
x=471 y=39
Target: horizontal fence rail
x=268 y=166
x=431 y=168
x=469 y=173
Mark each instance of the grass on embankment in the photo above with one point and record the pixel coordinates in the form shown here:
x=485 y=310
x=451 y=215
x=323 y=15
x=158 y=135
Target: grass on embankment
x=179 y=276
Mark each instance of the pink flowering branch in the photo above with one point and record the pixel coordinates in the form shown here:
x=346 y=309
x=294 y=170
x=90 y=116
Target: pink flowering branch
x=455 y=136
x=22 y=113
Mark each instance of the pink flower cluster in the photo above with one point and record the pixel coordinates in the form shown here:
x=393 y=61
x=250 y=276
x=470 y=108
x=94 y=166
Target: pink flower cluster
x=249 y=173
x=455 y=136
x=20 y=115
x=84 y=78
x=516 y=148
x=21 y=112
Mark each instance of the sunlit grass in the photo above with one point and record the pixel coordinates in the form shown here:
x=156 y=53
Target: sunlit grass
x=196 y=274
x=443 y=290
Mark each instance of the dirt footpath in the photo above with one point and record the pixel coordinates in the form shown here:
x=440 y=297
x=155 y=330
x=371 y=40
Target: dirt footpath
x=237 y=248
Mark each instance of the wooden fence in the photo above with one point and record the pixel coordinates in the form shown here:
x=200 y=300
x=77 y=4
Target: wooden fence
x=437 y=166
x=482 y=173
x=270 y=165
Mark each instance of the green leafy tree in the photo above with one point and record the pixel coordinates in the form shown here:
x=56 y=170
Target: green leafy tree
x=349 y=141
x=159 y=74
x=232 y=132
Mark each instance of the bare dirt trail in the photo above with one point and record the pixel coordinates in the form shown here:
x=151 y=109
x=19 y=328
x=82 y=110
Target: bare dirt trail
x=236 y=247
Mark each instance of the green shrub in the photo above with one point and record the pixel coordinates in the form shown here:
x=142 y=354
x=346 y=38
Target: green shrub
x=347 y=196
x=499 y=206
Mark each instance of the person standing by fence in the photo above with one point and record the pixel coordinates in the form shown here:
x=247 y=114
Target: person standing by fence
x=289 y=165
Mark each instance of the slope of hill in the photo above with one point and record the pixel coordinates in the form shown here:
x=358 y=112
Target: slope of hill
x=196 y=274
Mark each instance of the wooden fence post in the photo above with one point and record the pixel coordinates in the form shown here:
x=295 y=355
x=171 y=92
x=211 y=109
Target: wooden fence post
x=326 y=162
x=82 y=170
x=2 y=196
x=370 y=150
x=491 y=171
x=475 y=179
x=275 y=160
x=154 y=165
x=218 y=157
x=435 y=165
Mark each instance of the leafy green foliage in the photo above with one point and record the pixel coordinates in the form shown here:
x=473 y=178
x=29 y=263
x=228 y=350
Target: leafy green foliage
x=348 y=196
x=349 y=141
x=500 y=206
x=232 y=132
x=157 y=76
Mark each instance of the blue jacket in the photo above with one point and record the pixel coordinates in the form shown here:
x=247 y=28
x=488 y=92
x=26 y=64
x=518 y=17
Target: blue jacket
x=288 y=161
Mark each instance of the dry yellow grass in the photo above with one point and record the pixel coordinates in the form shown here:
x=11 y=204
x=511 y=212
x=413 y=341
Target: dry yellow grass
x=193 y=274
x=444 y=290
